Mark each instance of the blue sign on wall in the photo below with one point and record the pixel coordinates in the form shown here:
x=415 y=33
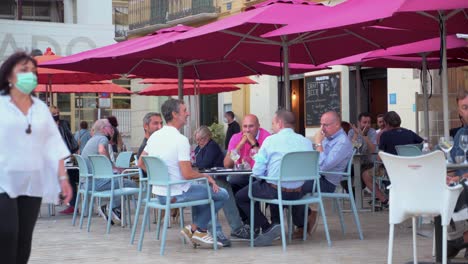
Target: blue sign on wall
x=392 y=98
x=229 y=6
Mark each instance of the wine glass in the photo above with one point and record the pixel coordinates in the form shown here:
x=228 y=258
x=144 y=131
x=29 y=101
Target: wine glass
x=357 y=144
x=254 y=151
x=464 y=145
x=234 y=156
x=446 y=144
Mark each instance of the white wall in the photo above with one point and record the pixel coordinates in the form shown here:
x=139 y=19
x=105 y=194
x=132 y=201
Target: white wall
x=92 y=12
x=401 y=82
x=264 y=99
x=64 y=39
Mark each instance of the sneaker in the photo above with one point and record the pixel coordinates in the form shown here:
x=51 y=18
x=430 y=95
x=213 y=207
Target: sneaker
x=186 y=233
x=204 y=239
x=223 y=239
x=102 y=212
x=68 y=211
x=267 y=237
x=241 y=234
x=117 y=214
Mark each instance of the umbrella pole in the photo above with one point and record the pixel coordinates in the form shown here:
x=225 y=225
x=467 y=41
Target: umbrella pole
x=287 y=87
x=426 y=97
x=180 y=79
x=358 y=88
x=444 y=76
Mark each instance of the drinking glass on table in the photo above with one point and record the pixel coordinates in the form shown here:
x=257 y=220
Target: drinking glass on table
x=446 y=144
x=464 y=145
x=234 y=156
x=357 y=144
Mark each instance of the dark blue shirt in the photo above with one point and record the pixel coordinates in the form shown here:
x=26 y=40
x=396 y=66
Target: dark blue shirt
x=397 y=136
x=209 y=156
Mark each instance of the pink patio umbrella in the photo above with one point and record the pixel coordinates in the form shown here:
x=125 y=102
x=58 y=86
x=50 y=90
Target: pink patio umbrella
x=95 y=87
x=445 y=17
x=189 y=89
x=109 y=59
x=239 y=80
x=239 y=39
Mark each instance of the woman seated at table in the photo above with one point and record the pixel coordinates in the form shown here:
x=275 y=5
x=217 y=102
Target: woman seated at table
x=208 y=154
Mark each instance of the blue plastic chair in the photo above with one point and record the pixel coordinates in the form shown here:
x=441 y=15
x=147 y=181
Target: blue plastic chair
x=123 y=159
x=295 y=166
x=346 y=176
x=85 y=177
x=141 y=199
x=408 y=150
x=102 y=169
x=158 y=176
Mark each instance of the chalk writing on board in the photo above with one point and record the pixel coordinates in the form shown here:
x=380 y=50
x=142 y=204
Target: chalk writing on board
x=322 y=94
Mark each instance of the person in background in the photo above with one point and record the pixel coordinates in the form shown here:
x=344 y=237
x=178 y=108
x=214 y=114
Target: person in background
x=82 y=136
x=208 y=154
x=380 y=123
x=116 y=140
x=152 y=122
x=395 y=135
x=233 y=127
x=98 y=145
x=454 y=130
x=72 y=145
x=31 y=158
x=346 y=126
x=174 y=149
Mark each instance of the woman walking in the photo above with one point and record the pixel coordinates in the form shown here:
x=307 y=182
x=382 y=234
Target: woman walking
x=31 y=158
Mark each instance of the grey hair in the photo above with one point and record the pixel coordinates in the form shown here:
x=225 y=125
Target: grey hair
x=148 y=116
x=203 y=131
x=287 y=117
x=99 y=125
x=171 y=105
x=335 y=115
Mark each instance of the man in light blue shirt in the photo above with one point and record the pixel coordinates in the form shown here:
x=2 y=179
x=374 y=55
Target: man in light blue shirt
x=267 y=162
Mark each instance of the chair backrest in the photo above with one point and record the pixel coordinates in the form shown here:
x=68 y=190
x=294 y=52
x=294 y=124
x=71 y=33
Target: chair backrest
x=123 y=159
x=300 y=166
x=81 y=165
x=102 y=166
x=418 y=185
x=157 y=171
x=349 y=166
x=410 y=150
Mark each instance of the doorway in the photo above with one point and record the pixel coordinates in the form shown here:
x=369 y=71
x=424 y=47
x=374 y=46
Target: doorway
x=377 y=97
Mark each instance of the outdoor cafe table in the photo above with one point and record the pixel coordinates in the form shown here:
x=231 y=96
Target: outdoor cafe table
x=357 y=162
x=226 y=172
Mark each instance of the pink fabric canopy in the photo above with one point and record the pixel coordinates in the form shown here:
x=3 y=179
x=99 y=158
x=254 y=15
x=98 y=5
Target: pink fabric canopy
x=97 y=87
x=189 y=89
x=239 y=80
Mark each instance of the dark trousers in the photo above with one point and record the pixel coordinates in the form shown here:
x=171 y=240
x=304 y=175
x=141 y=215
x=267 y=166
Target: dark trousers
x=325 y=187
x=237 y=184
x=18 y=217
x=262 y=189
x=73 y=178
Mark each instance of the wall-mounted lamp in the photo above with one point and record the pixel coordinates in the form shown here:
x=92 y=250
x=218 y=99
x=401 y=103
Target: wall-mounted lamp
x=294 y=96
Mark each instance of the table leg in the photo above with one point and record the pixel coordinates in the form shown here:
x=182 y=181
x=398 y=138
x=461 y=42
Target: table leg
x=438 y=238
x=357 y=182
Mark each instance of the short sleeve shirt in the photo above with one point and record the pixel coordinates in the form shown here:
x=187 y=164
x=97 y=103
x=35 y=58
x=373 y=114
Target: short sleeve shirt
x=245 y=150
x=92 y=147
x=172 y=147
x=398 y=136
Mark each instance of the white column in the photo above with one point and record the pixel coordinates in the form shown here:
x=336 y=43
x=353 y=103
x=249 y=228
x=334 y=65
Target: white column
x=68 y=11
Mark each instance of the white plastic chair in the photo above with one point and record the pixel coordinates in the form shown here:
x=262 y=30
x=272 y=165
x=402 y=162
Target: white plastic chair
x=418 y=188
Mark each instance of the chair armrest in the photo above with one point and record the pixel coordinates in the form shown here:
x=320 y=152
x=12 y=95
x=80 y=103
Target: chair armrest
x=126 y=174
x=186 y=181
x=334 y=172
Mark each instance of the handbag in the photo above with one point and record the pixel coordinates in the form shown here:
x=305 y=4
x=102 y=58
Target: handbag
x=69 y=139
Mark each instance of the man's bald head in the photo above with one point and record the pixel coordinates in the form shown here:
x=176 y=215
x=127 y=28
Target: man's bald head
x=330 y=123
x=250 y=124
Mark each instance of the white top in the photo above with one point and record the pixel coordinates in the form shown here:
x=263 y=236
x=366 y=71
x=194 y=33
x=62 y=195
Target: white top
x=29 y=162
x=170 y=146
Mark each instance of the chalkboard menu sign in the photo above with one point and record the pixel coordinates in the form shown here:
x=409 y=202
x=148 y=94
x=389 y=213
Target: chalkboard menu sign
x=322 y=94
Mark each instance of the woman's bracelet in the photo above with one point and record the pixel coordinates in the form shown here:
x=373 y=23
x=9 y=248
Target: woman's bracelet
x=63 y=178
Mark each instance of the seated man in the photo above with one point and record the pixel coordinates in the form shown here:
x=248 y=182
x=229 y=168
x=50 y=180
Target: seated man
x=208 y=154
x=174 y=149
x=249 y=140
x=458 y=236
x=98 y=145
x=367 y=136
x=335 y=152
x=152 y=122
x=395 y=135
x=267 y=163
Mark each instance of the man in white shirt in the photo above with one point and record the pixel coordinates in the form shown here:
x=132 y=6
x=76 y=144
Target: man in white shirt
x=173 y=148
